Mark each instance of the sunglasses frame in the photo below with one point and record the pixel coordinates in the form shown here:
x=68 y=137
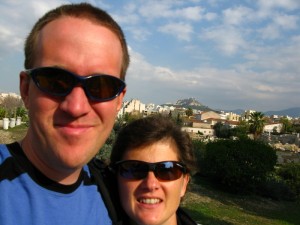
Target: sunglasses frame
x=33 y=73
x=150 y=167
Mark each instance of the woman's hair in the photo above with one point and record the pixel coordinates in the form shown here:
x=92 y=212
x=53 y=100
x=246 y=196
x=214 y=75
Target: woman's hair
x=81 y=10
x=149 y=130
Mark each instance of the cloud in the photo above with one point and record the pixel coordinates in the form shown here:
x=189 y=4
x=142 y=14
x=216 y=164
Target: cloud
x=182 y=31
x=286 y=22
x=237 y=15
x=227 y=39
x=16 y=22
x=279 y=4
x=170 y=10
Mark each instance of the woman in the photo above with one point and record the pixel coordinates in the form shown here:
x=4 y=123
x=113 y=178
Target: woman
x=152 y=159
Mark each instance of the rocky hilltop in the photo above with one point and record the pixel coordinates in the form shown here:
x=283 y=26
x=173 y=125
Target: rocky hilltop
x=189 y=103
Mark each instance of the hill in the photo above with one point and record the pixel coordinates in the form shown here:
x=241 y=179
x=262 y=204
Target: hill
x=189 y=103
x=293 y=112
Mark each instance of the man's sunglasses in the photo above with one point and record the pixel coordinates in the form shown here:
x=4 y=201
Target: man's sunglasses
x=137 y=170
x=59 y=82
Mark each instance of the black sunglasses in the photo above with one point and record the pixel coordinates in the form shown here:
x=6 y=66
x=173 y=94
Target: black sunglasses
x=137 y=170
x=59 y=82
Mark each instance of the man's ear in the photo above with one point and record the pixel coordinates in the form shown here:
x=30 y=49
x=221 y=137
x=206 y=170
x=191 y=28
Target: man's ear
x=24 y=88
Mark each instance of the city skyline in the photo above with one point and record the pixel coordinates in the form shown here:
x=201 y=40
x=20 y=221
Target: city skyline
x=228 y=55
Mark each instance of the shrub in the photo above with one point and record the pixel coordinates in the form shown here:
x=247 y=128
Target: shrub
x=199 y=149
x=276 y=189
x=239 y=165
x=290 y=173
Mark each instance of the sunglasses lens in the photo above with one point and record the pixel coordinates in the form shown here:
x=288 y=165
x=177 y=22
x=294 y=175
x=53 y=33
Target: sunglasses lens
x=104 y=87
x=53 y=80
x=168 y=171
x=133 y=170
x=165 y=171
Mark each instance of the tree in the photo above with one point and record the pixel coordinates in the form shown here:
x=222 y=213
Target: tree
x=11 y=104
x=241 y=130
x=2 y=112
x=286 y=125
x=189 y=112
x=257 y=123
x=222 y=130
x=238 y=165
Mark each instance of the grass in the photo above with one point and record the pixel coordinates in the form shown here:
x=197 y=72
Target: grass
x=209 y=205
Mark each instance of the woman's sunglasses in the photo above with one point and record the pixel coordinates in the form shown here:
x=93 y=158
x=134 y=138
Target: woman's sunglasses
x=59 y=82
x=137 y=170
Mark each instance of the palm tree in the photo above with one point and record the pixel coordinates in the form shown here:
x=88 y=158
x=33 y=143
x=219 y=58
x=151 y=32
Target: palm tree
x=257 y=123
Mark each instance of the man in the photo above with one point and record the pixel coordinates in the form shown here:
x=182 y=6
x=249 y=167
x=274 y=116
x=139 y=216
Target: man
x=76 y=59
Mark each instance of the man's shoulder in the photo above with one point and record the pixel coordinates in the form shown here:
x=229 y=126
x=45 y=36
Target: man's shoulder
x=4 y=153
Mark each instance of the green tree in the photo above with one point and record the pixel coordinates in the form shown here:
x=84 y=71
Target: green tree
x=105 y=151
x=22 y=112
x=257 y=123
x=2 y=112
x=241 y=131
x=189 y=112
x=239 y=165
x=222 y=130
x=286 y=125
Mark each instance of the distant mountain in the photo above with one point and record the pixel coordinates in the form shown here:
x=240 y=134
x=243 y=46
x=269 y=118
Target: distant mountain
x=189 y=103
x=195 y=104
x=236 y=111
x=293 y=112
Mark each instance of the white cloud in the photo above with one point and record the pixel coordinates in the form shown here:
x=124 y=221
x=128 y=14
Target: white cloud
x=270 y=32
x=286 y=22
x=182 y=31
x=237 y=15
x=282 y=4
x=170 y=10
x=16 y=20
x=227 y=38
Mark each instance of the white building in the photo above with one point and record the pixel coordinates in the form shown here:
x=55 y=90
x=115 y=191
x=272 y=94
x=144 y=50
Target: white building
x=134 y=105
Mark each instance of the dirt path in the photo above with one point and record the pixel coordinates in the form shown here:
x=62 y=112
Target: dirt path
x=6 y=136
x=11 y=135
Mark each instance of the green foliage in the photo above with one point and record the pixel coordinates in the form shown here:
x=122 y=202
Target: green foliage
x=241 y=131
x=189 y=112
x=276 y=189
x=296 y=128
x=239 y=165
x=2 y=112
x=290 y=173
x=105 y=151
x=222 y=130
x=199 y=151
x=129 y=117
x=287 y=126
x=257 y=123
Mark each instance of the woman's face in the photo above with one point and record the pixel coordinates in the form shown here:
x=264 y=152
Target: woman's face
x=151 y=201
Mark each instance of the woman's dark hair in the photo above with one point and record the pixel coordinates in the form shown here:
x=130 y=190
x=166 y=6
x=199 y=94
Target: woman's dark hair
x=148 y=130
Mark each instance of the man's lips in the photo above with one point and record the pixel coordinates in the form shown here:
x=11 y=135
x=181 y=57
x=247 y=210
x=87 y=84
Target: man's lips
x=73 y=128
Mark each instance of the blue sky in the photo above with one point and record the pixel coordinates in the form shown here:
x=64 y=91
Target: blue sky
x=226 y=54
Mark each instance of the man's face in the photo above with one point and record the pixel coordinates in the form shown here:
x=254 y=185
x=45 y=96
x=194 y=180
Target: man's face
x=66 y=132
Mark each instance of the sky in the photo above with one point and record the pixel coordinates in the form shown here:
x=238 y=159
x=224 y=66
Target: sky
x=226 y=54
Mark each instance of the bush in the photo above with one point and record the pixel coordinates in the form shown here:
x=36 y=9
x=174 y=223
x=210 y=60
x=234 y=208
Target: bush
x=239 y=165
x=276 y=189
x=199 y=149
x=290 y=173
